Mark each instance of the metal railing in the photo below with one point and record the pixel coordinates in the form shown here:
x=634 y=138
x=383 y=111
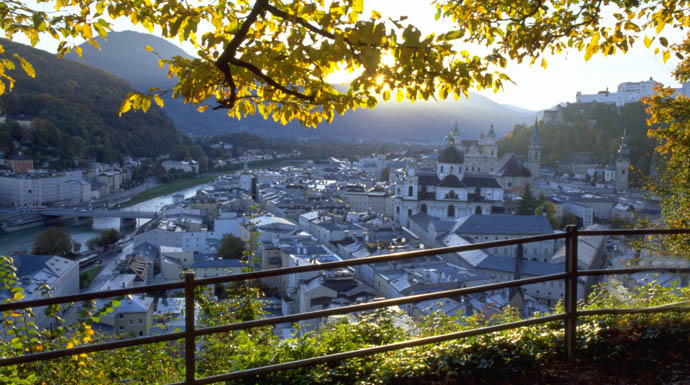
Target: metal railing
x=570 y=316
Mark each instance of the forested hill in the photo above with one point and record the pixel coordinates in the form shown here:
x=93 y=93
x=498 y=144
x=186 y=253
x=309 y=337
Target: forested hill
x=592 y=128
x=76 y=113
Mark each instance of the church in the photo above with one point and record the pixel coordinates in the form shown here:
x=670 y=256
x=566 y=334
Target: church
x=464 y=178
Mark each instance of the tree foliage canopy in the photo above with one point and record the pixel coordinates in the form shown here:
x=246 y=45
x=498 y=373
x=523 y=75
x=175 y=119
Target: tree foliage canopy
x=53 y=241
x=231 y=247
x=670 y=125
x=274 y=57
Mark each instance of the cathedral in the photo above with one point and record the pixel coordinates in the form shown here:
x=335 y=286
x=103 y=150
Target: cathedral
x=462 y=178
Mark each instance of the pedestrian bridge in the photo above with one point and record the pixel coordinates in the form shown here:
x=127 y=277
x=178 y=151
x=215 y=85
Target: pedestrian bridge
x=125 y=214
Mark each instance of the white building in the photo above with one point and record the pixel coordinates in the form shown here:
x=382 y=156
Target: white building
x=185 y=166
x=628 y=92
x=60 y=274
x=21 y=190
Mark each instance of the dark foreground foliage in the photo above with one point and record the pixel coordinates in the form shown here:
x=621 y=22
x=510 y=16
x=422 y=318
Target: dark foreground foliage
x=613 y=349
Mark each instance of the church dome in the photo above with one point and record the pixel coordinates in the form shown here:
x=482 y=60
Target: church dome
x=451 y=154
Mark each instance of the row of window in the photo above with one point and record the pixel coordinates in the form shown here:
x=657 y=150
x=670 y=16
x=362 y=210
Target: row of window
x=450 y=211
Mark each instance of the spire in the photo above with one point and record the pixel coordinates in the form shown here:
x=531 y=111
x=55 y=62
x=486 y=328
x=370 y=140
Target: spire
x=492 y=134
x=623 y=152
x=534 y=141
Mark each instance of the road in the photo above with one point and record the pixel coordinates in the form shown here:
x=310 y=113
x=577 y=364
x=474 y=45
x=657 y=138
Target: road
x=110 y=260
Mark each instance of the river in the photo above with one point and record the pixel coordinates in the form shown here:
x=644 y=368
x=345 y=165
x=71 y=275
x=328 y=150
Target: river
x=22 y=241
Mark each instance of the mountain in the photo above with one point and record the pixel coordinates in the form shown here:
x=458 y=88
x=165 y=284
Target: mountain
x=75 y=110
x=124 y=54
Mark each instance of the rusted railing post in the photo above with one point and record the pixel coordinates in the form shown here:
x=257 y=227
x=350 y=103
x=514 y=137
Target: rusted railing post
x=189 y=338
x=571 y=291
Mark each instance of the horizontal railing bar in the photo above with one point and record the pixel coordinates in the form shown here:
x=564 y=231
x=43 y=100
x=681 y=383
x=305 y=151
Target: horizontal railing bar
x=91 y=348
x=632 y=232
x=373 y=350
x=633 y=270
x=375 y=259
x=377 y=304
x=89 y=296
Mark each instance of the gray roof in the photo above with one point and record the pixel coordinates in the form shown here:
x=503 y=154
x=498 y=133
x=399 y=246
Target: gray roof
x=28 y=264
x=504 y=224
x=451 y=154
x=507 y=265
x=451 y=181
x=480 y=181
x=509 y=166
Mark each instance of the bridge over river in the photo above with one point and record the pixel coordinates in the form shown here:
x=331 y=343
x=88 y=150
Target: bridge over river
x=83 y=213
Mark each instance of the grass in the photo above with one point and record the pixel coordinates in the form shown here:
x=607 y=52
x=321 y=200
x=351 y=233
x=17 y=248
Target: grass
x=167 y=188
x=86 y=277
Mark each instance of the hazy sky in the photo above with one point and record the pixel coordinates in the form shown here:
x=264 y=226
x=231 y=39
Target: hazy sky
x=536 y=88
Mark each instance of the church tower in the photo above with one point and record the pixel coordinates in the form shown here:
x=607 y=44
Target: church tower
x=534 y=153
x=622 y=165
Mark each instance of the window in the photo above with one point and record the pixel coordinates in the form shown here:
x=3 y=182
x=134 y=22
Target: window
x=451 y=169
x=141 y=334
x=120 y=315
x=478 y=211
x=422 y=208
x=451 y=211
x=141 y=321
x=397 y=210
x=409 y=212
x=122 y=327
x=441 y=168
x=131 y=321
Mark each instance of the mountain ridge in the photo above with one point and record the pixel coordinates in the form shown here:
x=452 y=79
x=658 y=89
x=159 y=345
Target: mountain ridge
x=76 y=113
x=124 y=54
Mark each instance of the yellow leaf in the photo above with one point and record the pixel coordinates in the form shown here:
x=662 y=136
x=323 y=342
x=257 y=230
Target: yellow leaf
x=667 y=55
x=202 y=108
x=69 y=345
x=358 y=5
x=77 y=49
x=26 y=66
x=148 y=48
x=648 y=41
x=543 y=63
x=159 y=101
x=145 y=104
x=125 y=106
x=399 y=96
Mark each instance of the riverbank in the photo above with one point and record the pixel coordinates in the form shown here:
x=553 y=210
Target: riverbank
x=168 y=188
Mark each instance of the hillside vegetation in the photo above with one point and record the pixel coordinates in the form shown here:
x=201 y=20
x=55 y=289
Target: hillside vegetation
x=592 y=128
x=76 y=114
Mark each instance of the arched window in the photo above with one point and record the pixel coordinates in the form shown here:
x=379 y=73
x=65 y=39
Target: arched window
x=478 y=210
x=397 y=210
x=410 y=190
x=451 y=169
x=441 y=168
x=422 y=208
x=451 y=211
x=409 y=213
